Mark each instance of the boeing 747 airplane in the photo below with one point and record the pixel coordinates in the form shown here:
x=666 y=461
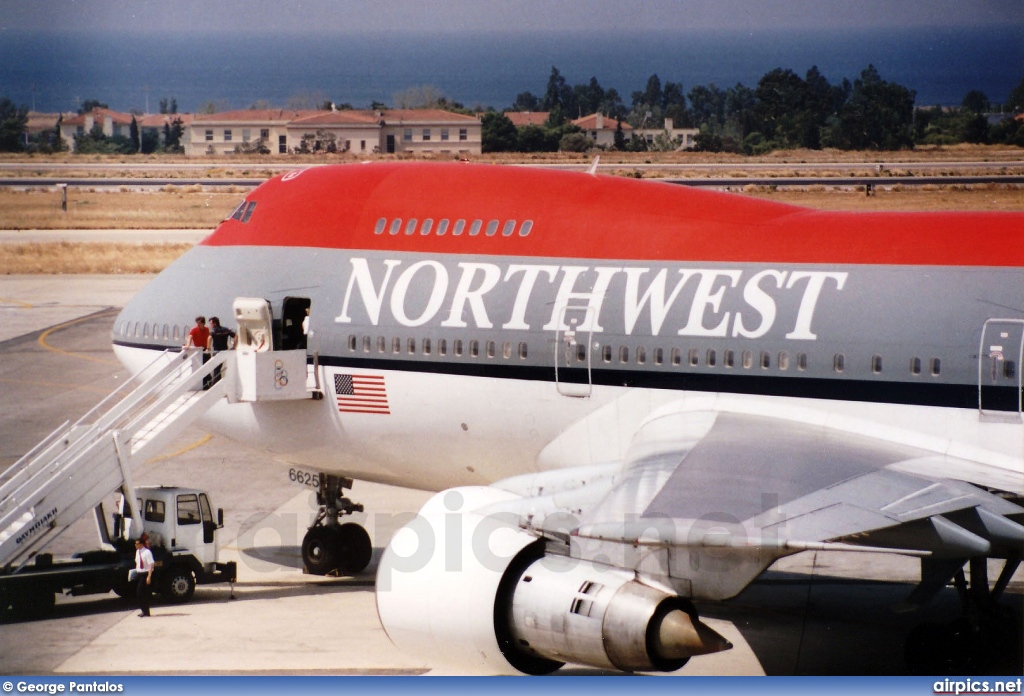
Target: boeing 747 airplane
x=629 y=395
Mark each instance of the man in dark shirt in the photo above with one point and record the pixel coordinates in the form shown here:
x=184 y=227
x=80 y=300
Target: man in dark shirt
x=220 y=336
x=220 y=339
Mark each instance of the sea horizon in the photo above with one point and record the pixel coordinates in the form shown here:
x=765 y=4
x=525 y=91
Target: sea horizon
x=58 y=70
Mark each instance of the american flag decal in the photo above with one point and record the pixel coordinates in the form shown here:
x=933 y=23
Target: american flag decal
x=361 y=394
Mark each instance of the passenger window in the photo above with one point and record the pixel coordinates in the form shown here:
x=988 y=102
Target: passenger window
x=188 y=509
x=410 y=227
x=474 y=348
x=729 y=358
x=522 y=351
x=766 y=360
x=426 y=227
x=524 y=230
x=936 y=367
x=641 y=355
x=457 y=347
x=474 y=229
x=677 y=356
x=382 y=344
x=876 y=364
x=396 y=345
x=659 y=356
x=839 y=362
x=508 y=229
x=460 y=225
x=352 y=342
x=694 y=357
x=442 y=347
x=801 y=361
x=712 y=358
x=442 y=227
x=624 y=354
x=783 y=360
x=412 y=346
x=426 y=346
x=606 y=354
x=492 y=228
x=506 y=349
x=915 y=366
x=381 y=224
x=581 y=352
x=490 y=349
x=396 y=226
x=748 y=360
x=366 y=344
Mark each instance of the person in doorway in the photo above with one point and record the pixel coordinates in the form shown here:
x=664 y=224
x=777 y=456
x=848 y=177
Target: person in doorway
x=143 y=573
x=221 y=337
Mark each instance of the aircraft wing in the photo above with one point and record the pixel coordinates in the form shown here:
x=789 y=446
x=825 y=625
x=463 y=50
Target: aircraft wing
x=709 y=498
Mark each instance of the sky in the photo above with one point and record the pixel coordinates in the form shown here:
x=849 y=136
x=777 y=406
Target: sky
x=438 y=16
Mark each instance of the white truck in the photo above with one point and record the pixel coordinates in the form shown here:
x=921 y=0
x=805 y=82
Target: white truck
x=183 y=534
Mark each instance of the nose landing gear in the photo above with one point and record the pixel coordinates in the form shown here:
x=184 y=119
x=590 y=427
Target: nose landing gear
x=330 y=547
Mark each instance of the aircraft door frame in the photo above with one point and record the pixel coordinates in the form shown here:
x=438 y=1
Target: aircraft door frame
x=1000 y=354
x=573 y=352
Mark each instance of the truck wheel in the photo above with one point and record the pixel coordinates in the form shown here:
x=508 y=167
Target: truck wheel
x=320 y=550
x=354 y=548
x=32 y=604
x=178 y=585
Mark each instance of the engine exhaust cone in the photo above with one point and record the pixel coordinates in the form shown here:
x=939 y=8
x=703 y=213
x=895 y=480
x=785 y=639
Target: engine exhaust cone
x=680 y=636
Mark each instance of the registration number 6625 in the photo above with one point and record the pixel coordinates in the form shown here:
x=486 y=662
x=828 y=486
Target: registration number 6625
x=304 y=478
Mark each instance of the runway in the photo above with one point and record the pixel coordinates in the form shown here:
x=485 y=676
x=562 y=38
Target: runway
x=813 y=614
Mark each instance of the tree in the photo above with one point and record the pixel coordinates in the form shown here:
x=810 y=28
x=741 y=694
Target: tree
x=879 y=115
x=1015 y=102
x=976 y=102
x=422 y=97
x=535 y=139
x=13 y=120
x=169 y=107
x=497 y=133
x=620 y=135
x=90 y=104
x=575 y=142
x=133 y=135
x=525 y=101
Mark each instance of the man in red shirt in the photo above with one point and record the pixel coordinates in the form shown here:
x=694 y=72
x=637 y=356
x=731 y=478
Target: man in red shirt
x=199 y=336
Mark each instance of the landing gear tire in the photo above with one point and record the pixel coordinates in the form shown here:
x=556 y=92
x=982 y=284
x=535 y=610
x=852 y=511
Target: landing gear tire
x=344 y=550
x=354 y=548
x=320 y=551
x=178 y=585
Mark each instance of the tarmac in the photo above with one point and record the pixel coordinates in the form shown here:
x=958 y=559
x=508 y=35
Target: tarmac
x=814 y=613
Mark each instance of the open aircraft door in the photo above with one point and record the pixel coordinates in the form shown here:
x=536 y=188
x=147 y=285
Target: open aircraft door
x=573 y=350
x=265 y=372
x=999 y=368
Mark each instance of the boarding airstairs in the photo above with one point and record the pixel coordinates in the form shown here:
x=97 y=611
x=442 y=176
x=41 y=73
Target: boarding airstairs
x=78 y=465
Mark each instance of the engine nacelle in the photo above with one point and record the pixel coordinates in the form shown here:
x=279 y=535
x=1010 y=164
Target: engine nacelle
x=476 y=592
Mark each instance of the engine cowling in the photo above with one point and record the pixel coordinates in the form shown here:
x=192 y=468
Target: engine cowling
x=476 y=592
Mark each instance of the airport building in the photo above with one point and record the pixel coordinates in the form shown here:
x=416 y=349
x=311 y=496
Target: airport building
x=282 y=131
x=277 y=131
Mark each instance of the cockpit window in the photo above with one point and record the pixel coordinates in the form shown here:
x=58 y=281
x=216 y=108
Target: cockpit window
x=244 y=211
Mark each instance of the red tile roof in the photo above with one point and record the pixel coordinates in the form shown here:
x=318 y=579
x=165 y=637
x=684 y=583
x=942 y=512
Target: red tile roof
x=527 y=118
x=255 y=116
x=590 y=123
x=99 y=116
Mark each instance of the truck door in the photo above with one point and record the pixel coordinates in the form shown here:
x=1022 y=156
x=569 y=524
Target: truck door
x=999 y=367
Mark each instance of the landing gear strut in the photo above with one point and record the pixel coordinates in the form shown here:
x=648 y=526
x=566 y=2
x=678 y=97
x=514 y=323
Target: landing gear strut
x=986 y=638
x=329 y=547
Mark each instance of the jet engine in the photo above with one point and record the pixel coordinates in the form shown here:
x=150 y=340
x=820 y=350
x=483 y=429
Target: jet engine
x=474 y=591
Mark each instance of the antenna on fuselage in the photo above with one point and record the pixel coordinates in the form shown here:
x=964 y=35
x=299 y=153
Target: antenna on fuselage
x=593 y=165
